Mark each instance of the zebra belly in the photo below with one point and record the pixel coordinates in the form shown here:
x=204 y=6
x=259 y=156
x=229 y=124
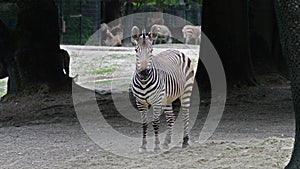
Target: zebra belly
x=169 y=100
x=162 y=98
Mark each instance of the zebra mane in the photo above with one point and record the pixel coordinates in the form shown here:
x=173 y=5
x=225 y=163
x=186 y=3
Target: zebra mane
x=144 y=34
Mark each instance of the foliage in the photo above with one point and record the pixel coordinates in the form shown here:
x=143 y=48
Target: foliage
x=8 y=13
x=163 y=3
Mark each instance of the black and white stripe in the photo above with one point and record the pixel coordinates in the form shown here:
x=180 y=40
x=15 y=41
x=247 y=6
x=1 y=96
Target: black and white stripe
x=158 y=81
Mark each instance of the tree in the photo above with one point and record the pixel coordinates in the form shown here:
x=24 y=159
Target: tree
x=289 y=19
x=225 y=23
x=264 y=38
x=246 y=38
x=31 y=51
x=158 y=4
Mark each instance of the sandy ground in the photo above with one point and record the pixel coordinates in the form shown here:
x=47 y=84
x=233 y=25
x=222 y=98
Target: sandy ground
x=255 y=132
x=42 y=131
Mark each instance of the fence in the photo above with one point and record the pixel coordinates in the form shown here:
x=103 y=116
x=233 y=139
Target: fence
x=79 y=19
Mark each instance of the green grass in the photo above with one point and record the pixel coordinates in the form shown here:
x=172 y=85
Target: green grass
x=2 y=92
x=102 y=71
x=3 y=83
x=74 y=55
x=120 y=56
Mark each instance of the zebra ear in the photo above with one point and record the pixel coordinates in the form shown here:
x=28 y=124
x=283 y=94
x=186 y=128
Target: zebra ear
x=135 y=35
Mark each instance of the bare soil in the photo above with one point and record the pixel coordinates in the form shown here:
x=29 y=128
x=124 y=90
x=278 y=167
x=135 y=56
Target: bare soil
x=256 y=130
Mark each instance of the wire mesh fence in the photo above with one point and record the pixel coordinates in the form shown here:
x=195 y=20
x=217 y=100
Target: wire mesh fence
x=79 y=19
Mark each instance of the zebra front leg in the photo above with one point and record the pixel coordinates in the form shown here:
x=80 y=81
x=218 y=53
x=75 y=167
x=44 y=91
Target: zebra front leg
x=168 y=110
x=187 y=40
x=143 y=148
x=143 y=108
x=155 y=123
x=197 y=41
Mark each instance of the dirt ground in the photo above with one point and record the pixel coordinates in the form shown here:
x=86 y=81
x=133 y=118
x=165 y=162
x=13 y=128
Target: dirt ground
x=256 y=130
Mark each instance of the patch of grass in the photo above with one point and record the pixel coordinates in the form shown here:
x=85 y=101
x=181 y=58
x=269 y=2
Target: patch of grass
x=74 y=55
x=120 y=56
x=2 y=92
x=3 y=83
x=3 y=86
x=102 y=71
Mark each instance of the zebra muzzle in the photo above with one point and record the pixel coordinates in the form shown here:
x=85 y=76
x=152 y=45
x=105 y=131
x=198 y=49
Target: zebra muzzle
x=144 y=74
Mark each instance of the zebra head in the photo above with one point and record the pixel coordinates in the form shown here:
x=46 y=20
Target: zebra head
x=143 y=47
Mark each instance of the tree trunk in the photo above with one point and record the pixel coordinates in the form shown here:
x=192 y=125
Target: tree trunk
x=225 y=23
x=264 y=38
x=4 y=48
x=288 y=15
x=33 y=59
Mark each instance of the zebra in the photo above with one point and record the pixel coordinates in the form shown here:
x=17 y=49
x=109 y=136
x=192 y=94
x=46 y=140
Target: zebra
x=158 y=81
x=162 y=32
x=192 y=32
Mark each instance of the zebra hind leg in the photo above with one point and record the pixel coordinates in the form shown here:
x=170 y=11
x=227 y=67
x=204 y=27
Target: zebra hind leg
x=155 y=123
x=186 y=116
x=185 y=100
x=168 y=110
x=185 y=105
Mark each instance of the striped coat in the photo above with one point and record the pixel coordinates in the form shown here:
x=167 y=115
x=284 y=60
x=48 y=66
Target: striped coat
x=158 y=81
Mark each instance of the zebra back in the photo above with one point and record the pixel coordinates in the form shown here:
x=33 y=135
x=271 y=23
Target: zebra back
x=175 y=62
x=175 y=73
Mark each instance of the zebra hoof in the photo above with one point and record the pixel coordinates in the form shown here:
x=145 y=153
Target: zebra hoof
x=185 y=145
x=142 y=150
x=157 y=149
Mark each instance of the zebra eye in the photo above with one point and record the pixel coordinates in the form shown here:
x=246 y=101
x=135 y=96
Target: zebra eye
x=135 y=50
